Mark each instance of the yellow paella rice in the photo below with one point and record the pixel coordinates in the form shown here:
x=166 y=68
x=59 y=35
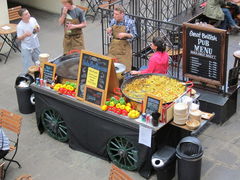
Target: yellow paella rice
x=164 y=87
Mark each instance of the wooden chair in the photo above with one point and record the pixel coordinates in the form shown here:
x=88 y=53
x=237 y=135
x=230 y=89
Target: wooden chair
x=104 y=4
x=13 y=13
x=118 y=174
x=24 y=177
x=11 y=122
x=1 y=171
x=82 y=8
x=1 y=53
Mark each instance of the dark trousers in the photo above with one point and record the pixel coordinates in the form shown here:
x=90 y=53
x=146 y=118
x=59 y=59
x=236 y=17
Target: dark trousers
x=228 y=20
x=3 y=153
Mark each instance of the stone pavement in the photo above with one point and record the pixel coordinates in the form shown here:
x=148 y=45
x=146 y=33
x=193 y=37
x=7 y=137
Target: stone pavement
x=47 y=159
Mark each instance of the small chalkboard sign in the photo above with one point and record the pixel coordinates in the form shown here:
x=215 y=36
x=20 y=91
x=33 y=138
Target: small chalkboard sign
x=205 y=53
x=94 y=70
x=48 y=72
x=94 y=96
x=152 y=104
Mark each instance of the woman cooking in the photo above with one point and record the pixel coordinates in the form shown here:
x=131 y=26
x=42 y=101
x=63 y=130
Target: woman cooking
x=158 y=62
x=73 y=20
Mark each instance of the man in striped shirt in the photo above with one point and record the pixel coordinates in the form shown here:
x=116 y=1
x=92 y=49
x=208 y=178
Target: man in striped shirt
x=4 y=144
x=122 y=29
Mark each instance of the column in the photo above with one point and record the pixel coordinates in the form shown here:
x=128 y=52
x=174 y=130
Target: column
x=4 y=19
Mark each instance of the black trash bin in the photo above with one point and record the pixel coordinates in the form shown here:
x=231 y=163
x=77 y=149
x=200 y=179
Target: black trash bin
x=24 y=93
x=164 y=162
x=189 y=153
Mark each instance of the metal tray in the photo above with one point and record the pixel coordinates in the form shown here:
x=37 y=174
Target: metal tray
x=67 y=66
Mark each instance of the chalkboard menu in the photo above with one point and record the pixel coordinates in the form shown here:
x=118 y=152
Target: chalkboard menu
x=152 y=104
x=48 y=72
x=204 y=53
x=93 y=71
x=93 y=96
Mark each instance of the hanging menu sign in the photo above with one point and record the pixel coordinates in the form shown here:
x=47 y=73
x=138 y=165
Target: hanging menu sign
x=93 y=96
x=204 y=53
x=48 y=72
x=94 y=71
x=152 y=104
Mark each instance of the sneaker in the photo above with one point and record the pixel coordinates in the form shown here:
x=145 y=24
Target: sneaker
x=235 y=28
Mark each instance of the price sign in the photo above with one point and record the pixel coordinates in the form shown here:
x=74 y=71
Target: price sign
x=204 y=54
x=93 y=96
x=48 y=72
x=152 y=104
x=92 y=77
x=94 y=70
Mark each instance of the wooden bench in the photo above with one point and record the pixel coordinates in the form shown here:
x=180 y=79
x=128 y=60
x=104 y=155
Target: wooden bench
x=13 y=13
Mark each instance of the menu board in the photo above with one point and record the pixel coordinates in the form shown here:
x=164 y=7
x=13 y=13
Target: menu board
x=152 y=104
x=93 y=96
x=48 y=72
x=94 y=70
x=204 y=53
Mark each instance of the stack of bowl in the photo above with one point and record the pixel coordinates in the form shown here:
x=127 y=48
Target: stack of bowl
x=180 y=113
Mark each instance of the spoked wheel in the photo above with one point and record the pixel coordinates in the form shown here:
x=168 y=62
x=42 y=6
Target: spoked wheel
x=123 y=153
x=54 y=125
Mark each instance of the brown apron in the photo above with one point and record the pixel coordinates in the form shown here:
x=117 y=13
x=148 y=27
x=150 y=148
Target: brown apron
x=73 y=39
x=120 y=48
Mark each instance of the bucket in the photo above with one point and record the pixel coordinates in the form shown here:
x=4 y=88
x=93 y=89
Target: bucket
x=33 y=69
x=43 y=57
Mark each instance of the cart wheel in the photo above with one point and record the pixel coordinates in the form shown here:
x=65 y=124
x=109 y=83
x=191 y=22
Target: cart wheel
x=123 y=153
x=54 y=124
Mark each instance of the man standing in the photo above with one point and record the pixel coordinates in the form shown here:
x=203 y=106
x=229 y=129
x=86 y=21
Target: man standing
x=215 y=10
x=4 y=144
x=123 y=31
x=27 y=30
x=73 y=20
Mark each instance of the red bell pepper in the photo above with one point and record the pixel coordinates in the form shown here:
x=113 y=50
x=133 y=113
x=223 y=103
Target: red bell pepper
x=114 y=109
x=119 y=111
x=124 y=112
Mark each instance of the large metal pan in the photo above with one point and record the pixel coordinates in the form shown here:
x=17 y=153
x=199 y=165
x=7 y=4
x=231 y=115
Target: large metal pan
x=128 y=81
x=67 y=66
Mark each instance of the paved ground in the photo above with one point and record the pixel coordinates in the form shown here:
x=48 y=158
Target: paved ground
x=47 y=159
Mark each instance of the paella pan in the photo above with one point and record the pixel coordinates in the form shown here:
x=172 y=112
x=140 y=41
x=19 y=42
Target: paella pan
x=168 y=89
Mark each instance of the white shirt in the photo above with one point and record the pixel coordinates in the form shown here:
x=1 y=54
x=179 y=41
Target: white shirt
x=30 y=42
x=4 y=141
